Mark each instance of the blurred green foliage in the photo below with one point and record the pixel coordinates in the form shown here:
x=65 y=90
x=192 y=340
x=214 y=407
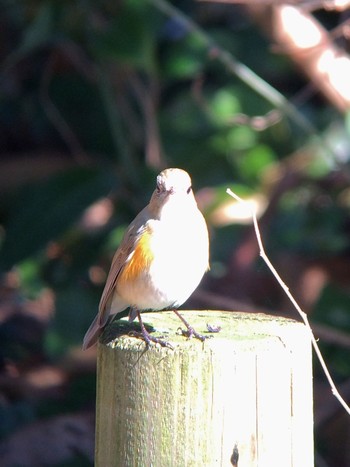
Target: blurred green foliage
x=103 y=87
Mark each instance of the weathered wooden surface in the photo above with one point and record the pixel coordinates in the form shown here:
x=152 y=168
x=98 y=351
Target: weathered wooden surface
x=247 y=391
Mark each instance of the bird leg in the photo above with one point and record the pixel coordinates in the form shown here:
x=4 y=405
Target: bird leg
x=191 y=332
x=146 y=336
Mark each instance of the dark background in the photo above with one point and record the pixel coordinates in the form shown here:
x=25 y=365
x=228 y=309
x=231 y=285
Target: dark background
x=96 y=97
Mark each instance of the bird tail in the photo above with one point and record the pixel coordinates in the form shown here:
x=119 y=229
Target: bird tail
x=92 y=334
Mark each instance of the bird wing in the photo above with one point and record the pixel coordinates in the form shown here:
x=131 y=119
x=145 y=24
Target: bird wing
x=119 y=260
x=126 y=247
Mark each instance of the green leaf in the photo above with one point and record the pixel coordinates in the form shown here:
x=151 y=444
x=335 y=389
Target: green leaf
x=37 y=34
x=75 y=307
x=255 y=161
x=126 y=38
x=184 y=59
x=39 y=31
x=347 y=122
x=45 y=211
x=224 y=105
x=333 y=307
x=29 y=273
x=241 y=138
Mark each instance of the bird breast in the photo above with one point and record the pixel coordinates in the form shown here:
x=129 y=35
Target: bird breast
x=167 y=263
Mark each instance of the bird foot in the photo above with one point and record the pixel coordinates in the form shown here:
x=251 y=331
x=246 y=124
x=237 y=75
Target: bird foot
x=148 y=339
x=146 y=336
x=190 y=331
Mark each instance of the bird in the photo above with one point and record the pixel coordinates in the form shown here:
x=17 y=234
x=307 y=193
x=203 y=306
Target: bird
x=160 y=261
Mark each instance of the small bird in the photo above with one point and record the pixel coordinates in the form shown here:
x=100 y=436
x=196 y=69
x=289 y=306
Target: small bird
x=161 y=259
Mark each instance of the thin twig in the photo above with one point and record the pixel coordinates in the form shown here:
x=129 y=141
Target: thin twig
x=146 y=101
x=121 y=144
x=55 y=116
x=292 y=299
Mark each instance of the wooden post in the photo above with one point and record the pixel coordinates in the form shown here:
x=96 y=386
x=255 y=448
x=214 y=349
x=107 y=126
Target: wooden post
x=242 y=398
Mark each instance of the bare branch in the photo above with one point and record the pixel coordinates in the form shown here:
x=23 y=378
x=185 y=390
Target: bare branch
x=292 y=299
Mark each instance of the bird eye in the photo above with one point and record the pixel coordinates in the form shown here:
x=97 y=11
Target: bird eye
x=159 y=185
x=189 y=190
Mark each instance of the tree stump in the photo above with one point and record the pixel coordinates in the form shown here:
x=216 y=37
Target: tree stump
x=241 y=398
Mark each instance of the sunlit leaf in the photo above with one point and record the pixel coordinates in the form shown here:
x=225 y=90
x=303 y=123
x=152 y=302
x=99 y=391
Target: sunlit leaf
x=253 y=163
x=224 y=105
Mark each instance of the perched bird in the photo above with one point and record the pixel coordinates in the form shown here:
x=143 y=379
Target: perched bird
x=161 y=259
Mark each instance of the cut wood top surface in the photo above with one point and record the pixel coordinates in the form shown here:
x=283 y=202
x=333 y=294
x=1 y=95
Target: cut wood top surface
x=241 y=327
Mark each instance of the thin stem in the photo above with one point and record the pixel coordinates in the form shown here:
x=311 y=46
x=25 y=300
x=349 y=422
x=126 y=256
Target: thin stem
x=121 y=145
x=292 y=299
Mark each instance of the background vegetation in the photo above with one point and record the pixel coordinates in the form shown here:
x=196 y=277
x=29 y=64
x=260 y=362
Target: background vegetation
x=95 y=98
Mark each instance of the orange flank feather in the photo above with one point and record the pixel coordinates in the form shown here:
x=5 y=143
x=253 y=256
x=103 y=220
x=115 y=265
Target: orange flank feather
x=140 y=260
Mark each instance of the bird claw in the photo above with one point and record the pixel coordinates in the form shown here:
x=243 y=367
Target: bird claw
x=190 y=332
x=148 y=339
x=213 y=328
